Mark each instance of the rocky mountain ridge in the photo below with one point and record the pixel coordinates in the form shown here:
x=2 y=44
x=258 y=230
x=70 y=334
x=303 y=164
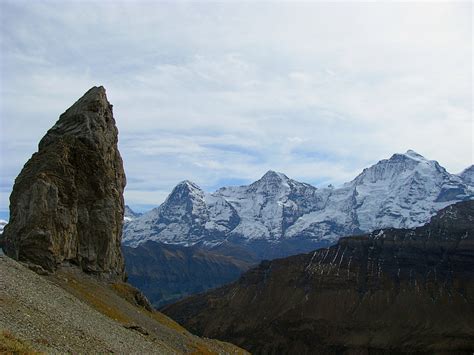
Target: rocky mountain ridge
x=402 y=192
x=391 y=291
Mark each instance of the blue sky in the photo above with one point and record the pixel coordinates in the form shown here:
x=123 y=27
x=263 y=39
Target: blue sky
x=220 y=92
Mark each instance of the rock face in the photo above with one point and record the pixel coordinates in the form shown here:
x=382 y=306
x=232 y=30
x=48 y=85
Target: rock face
x=67 y=203
x=391 y=291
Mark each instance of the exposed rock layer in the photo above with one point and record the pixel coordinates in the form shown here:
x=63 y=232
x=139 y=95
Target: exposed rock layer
x=67 y=203
x=392 y=291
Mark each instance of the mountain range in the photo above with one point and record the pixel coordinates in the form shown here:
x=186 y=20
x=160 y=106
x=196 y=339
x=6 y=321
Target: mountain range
x=278 y=216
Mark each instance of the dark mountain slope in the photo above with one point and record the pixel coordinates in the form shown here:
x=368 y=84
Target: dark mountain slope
x=396 y=290
x=166 y=273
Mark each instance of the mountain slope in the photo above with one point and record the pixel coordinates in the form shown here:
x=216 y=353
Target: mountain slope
x=166 y=273
x=392 y=291
x=71 y=312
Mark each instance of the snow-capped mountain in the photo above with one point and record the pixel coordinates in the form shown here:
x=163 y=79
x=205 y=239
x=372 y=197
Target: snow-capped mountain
x=187 y=217
x=130 y=215
x=269 y=206
x=468 y=176
x=3 y=223
x=403 y=192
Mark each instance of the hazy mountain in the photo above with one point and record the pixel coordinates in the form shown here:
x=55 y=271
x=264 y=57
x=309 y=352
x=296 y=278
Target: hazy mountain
x=166 y=272
x=129 y=214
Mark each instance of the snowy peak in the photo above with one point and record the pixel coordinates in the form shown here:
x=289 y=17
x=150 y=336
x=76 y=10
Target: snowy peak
x=271 y=182
x=414 y=155
x=399 y=166
x=129 y=214
x=3 y=223
x=186 y=188
x=271 y=176
x=468 y=176
x=187 y=198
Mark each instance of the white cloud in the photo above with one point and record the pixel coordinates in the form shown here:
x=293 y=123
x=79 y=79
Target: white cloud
x=217 y=92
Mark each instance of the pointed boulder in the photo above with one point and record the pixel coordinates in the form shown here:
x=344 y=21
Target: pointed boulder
x=67 y=203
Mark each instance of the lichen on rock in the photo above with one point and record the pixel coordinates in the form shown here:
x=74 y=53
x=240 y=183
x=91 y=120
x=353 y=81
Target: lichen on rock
x=67 y=203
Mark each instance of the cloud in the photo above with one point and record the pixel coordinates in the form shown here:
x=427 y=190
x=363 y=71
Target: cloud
x=221 y=92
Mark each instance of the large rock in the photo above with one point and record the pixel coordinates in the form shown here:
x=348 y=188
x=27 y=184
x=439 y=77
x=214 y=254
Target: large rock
x=67 y=203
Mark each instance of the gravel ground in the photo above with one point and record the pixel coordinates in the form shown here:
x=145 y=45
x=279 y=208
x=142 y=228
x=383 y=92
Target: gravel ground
x=55 y=321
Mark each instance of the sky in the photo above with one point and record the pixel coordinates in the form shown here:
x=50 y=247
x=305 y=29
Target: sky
x=220 y=92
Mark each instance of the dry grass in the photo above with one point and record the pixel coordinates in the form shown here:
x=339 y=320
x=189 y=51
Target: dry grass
x=9 y=344
x=200 y=349
x=125 y=291
x=168 y=322
x=96 y=298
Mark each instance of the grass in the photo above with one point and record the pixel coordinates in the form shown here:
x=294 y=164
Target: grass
x=124 y=290
x=9 y=344
x=200 y=349
x=168 y=322
x=93 y=295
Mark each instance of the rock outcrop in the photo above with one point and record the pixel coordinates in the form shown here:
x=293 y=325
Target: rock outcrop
x=392 y=291
x=67 y=203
